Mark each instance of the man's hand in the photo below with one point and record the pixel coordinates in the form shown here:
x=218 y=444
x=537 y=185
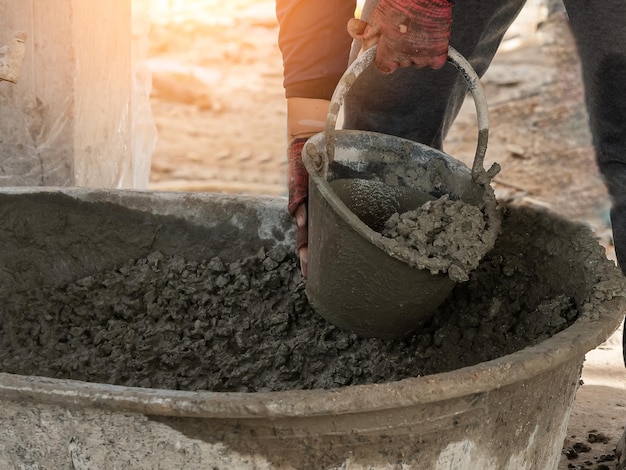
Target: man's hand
x=298 y=186
x=305 y=117
x=408 y=33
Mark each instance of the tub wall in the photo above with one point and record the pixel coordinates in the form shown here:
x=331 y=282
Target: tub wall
x=517 y=427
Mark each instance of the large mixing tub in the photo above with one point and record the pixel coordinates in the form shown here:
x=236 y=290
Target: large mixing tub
x=510 y=412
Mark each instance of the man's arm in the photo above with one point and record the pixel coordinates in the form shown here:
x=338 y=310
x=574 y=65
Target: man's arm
x=315 y=46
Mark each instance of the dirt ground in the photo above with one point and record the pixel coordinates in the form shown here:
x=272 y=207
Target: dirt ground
x=220 y=113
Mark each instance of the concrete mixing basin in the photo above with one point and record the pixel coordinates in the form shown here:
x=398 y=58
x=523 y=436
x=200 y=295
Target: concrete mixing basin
x=509 y=412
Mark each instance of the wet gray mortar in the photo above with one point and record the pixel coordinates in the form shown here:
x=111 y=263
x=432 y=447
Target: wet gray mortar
x=164 y=322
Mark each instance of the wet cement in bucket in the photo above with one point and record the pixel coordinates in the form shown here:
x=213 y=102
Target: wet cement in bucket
x=443 y=236
x=427 y=218
x=164 y=322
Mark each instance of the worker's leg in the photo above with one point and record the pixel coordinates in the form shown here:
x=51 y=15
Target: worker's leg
x=422 y=104
x=600 y=32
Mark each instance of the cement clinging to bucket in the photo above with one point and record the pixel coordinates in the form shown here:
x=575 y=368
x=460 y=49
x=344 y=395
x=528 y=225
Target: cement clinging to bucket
x=424 y=422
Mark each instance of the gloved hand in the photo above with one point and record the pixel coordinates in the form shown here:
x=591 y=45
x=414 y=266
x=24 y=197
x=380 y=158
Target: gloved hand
x=408 y=32
x=305 y=117
x=298 y=186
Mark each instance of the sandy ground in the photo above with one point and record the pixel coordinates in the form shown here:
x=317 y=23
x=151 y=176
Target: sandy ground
x=220 y=113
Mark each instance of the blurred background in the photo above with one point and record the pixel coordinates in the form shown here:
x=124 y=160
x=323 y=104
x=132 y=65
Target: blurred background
x=217 y=96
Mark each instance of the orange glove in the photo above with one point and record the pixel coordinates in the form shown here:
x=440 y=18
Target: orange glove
x=408 y=32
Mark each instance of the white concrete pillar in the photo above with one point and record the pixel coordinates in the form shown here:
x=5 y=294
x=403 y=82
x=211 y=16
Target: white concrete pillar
x=69 y=119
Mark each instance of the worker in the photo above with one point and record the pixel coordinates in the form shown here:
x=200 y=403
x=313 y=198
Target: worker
x=410 y=94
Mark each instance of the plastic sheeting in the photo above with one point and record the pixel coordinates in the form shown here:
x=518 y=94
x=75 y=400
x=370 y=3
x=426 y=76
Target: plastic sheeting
x=79 y=114
x=144 y=129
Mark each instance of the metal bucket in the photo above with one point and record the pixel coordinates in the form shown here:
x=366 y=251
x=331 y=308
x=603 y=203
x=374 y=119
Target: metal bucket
x=511 y=412
x=354 y=279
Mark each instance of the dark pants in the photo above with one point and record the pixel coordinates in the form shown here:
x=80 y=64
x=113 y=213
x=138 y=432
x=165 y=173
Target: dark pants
x=421 y=104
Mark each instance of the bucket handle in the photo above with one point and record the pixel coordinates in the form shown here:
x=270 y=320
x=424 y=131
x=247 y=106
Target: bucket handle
x=463 y=66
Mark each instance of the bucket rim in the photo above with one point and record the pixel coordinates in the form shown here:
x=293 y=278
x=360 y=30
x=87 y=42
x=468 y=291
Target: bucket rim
x=571 y=344
x=316 y=146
